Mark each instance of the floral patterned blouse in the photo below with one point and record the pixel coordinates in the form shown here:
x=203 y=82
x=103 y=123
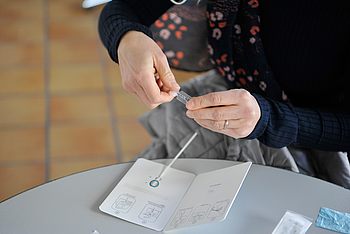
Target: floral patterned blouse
x=189 y=33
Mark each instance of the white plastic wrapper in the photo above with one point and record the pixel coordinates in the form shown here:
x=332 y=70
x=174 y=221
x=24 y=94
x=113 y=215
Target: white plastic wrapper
x=183 y=97
x=292 y=223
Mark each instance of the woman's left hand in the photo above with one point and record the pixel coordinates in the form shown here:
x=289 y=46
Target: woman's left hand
x=234 y=112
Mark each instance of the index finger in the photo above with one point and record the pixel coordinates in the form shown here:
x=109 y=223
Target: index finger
x=152 y=90
x=221 y=98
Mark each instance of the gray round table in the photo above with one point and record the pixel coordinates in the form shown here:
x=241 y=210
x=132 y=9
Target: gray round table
x=70 y=204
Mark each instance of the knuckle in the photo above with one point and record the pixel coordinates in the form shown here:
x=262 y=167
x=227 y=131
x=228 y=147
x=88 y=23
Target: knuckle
x=194 y=114
x=168 y=75
x=139 y=77
x=243 y=94
x=254 y=113
x=249 y=112
x=154 y=99
x=216 y=125
x=162 y=56
x=233 y=93
x=198 y=101
x=214 y=98
x=246 y=95
x=217 y=115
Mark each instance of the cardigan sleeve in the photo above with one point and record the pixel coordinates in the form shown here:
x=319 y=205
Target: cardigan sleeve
x=282 y=124
x=121 y=16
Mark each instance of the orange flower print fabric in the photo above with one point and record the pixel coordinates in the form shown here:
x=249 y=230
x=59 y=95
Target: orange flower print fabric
x=236 y=49
x=220 y=34
x=182 y=34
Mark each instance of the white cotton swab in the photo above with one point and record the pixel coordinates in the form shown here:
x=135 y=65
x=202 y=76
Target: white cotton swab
x=178 y=154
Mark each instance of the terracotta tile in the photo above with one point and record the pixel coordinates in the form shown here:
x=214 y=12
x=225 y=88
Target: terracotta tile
x=113 y=75
x=76 y=78
x=21 y=31
x=81 y=141
x=134 y=138
x=22 y=111
x=17 y=178
x=73 y=30
x=130 y=157
x=21 y=10
x=68 y=52
x=22 y=144
x=67 y=167
x=128 y=105
x=71 y=10
x=24 y=79
x=21 y=54
x=79 y=108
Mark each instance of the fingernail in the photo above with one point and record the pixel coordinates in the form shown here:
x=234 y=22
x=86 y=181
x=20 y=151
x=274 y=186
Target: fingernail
x=189 y=104
x=173 y=93
x=189 y=114
x=176 y=85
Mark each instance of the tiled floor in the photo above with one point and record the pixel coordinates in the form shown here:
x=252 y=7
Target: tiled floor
x=62 y=109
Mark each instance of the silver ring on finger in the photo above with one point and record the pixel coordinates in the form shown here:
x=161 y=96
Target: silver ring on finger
x=225 y=124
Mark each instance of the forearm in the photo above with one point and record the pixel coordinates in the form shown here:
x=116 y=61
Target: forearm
x=282 y=124
x=119 y=17
x=324 y=130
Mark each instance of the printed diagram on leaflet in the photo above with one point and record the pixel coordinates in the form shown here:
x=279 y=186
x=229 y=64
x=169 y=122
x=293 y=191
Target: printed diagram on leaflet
x=151 y=212
x=201 y=212
x=123 y=203
x=181 y=217
x=218 y=209
x=176 y=200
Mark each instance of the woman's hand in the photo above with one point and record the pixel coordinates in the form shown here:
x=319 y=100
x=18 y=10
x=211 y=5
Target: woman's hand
x=234 y=112
x=145 y=70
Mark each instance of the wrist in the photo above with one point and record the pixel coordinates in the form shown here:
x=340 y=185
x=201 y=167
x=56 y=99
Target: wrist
x=264 y=117
x=129 y=38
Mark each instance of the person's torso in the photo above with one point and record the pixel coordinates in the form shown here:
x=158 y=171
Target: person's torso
x=307 y=45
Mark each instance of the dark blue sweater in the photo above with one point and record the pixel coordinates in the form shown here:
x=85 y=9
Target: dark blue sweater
x=307 y=46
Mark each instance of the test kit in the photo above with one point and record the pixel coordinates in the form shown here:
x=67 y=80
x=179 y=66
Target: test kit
x=180 y=199
x=183 y=97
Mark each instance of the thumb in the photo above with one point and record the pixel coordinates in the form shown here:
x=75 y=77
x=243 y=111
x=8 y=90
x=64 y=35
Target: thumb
x=165 y=74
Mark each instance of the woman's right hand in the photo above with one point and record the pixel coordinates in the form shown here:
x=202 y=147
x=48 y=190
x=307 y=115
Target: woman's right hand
x=140 y=58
